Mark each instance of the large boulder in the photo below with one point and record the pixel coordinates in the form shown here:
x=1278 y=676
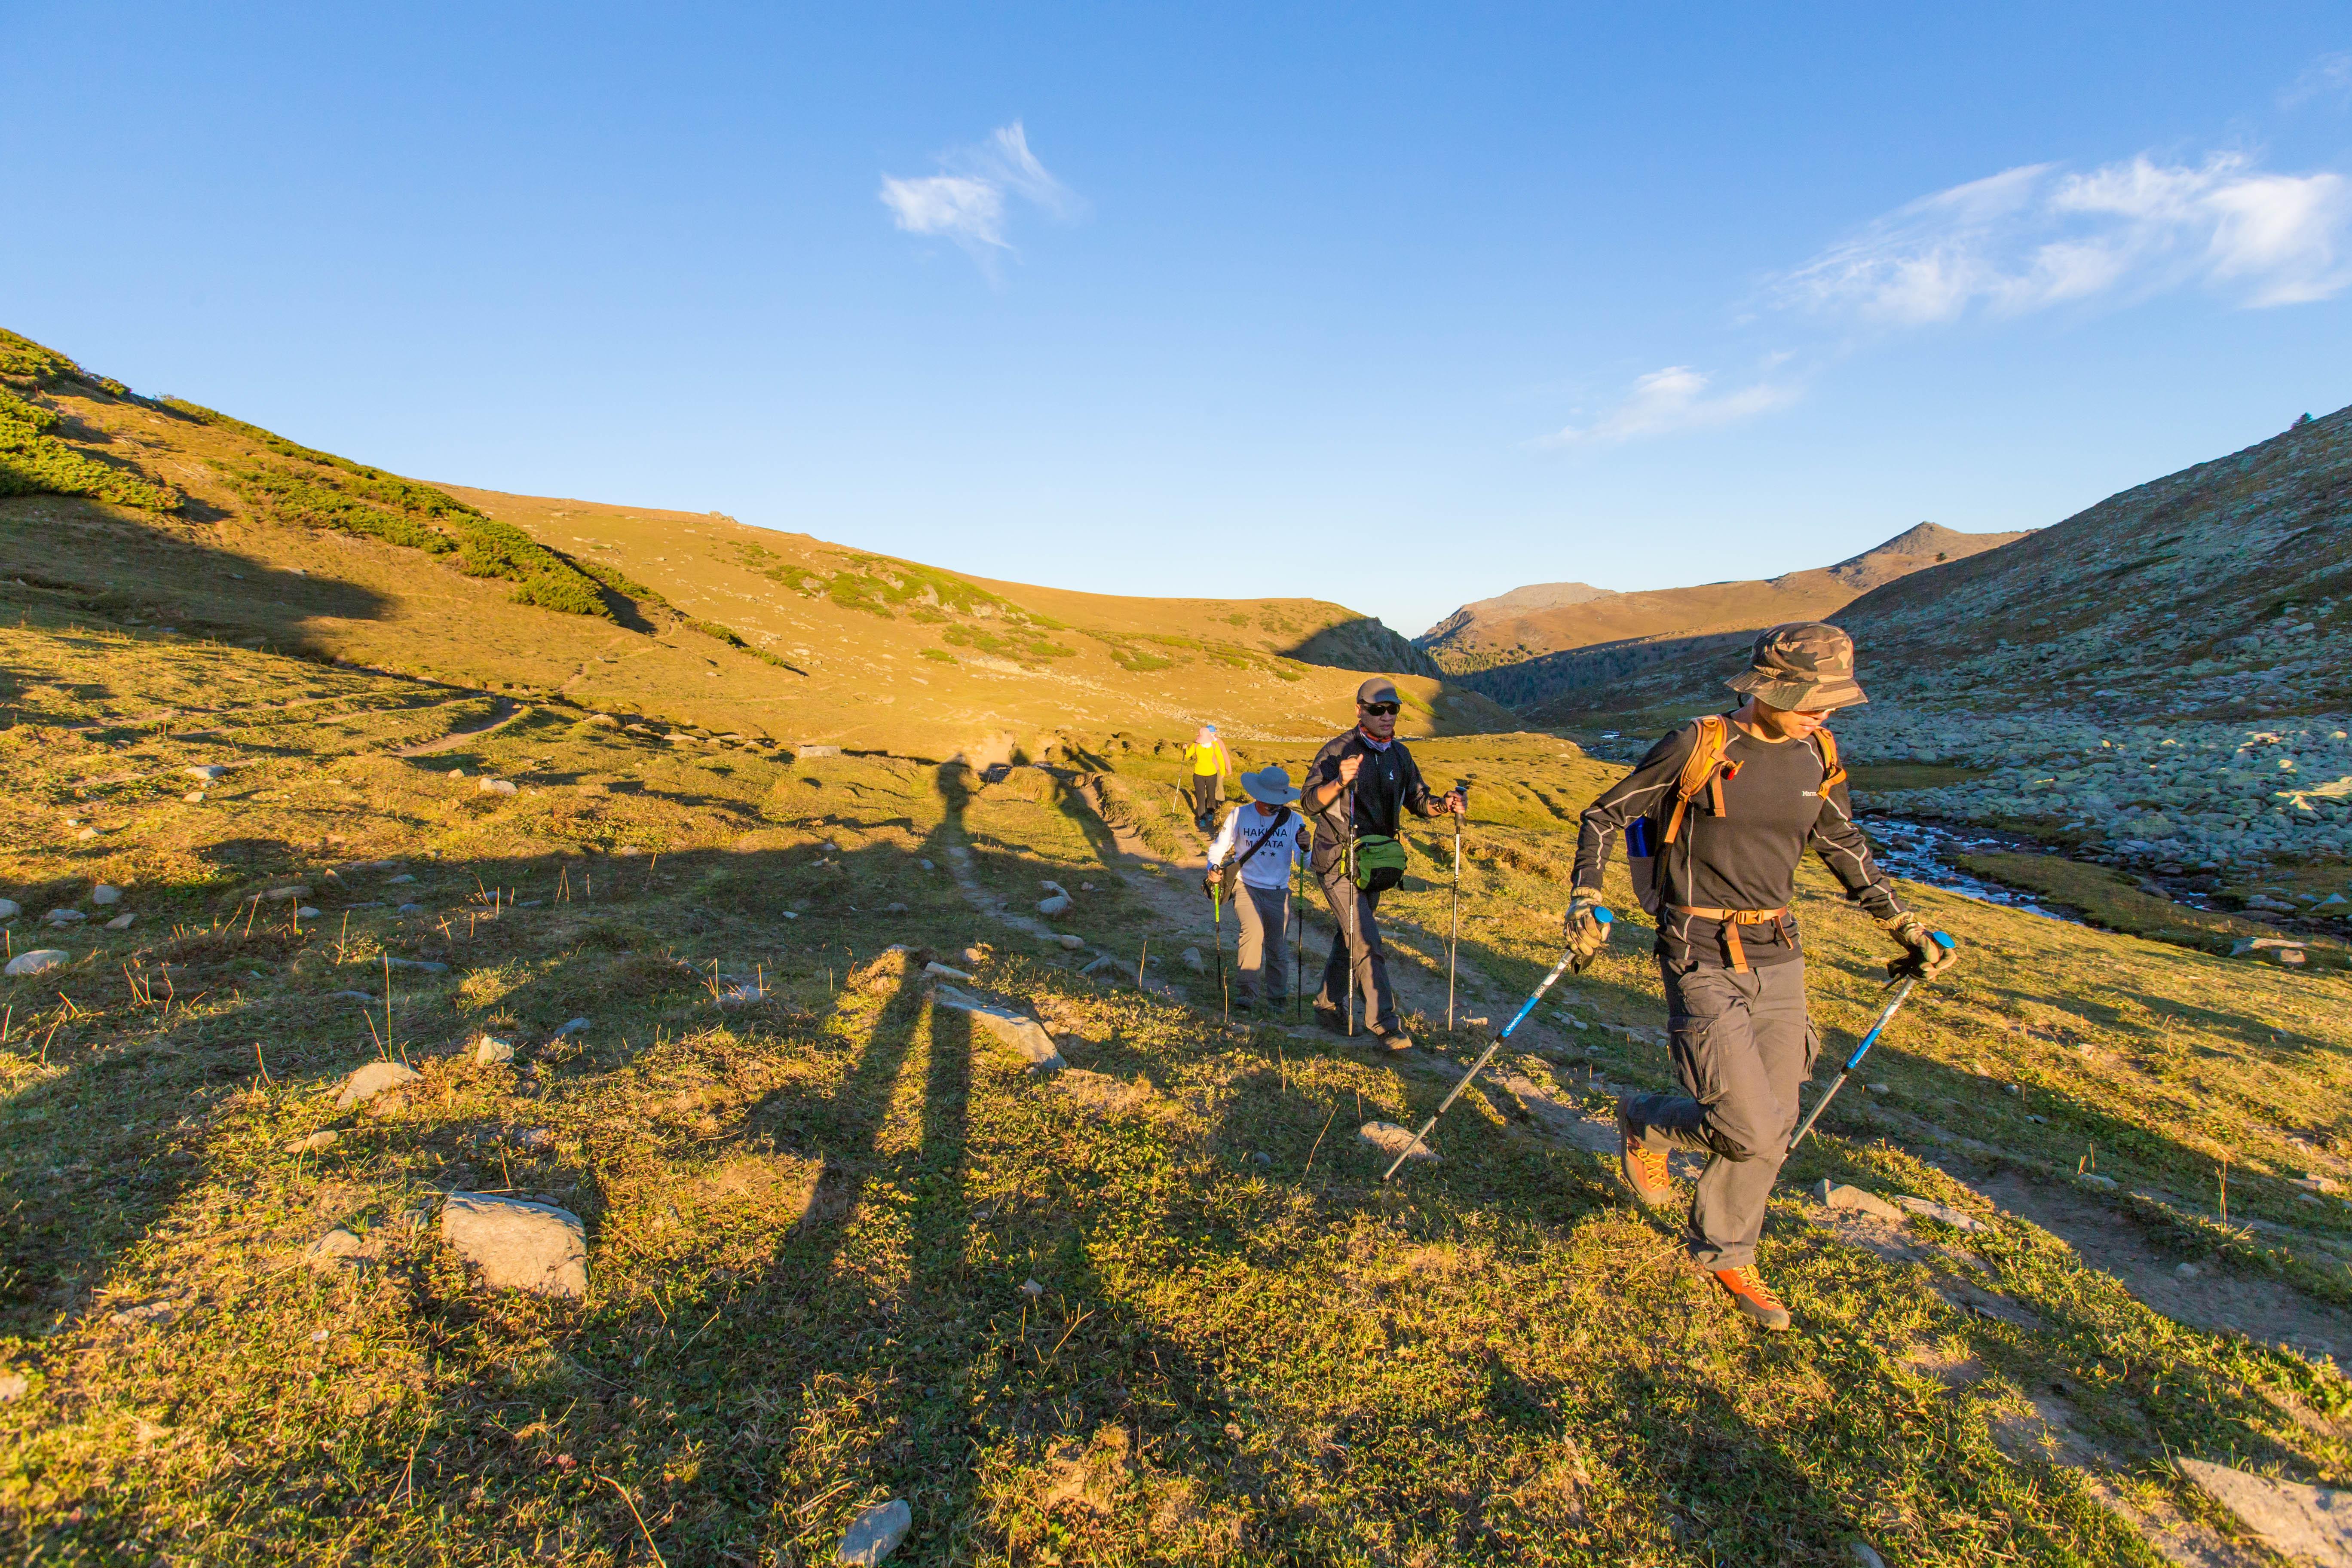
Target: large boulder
x=519 y=1245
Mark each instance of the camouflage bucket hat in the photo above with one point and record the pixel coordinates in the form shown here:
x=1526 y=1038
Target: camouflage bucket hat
x=1803 y=664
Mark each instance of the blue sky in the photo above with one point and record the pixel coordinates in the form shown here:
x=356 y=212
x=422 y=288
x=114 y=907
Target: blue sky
x=1398 y=308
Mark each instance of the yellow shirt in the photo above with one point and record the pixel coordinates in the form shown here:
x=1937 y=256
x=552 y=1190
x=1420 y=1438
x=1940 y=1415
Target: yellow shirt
x=1208 y=762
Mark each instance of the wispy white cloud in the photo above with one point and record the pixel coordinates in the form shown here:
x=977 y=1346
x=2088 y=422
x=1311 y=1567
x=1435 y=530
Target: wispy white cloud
x=2327 y=78
x=1674 y=399
x=965 y=201
x=2033 y=237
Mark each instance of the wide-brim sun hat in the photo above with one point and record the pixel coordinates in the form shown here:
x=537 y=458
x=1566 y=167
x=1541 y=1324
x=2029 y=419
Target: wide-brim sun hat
x=1269 y=786
x=1801 y=665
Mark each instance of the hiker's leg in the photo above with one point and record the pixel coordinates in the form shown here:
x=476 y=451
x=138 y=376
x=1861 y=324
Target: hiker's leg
x=1784 y=1049
x=1356 y=944
x=1274 y=914
x=1720 y=1058
x=1372 y=970
x=1672 y=1120
x=1204 y=801
x=1339 y=895
x=1249 y=945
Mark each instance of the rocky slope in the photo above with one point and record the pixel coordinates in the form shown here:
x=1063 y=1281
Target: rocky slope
x=2162 y=675
x=1523 y=646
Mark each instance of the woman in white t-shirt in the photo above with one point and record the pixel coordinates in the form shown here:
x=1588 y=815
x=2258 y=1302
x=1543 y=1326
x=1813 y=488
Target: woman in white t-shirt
x=1268 y=838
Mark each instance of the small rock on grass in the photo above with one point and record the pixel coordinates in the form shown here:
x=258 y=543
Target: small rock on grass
x=573 y=1027
x=313 y=1143
x=1831 y=1194
x=1072 y=943
x=335 y=1248
x=10 y=908
x=39 y=961
x=121 y=922
x=519 y=1245
x=1865 y=1554
x=2304 y=1522
x=488 y=1051
x=876 y=1534
x=371 y=1080
x=496 y=786
x=207 y=771
x=1391 y=1140
x=103 y=894
x=14 y=1386
x=1944 y=1212
x=1193 y=961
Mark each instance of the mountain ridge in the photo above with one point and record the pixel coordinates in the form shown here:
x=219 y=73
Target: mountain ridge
x=1533 y=622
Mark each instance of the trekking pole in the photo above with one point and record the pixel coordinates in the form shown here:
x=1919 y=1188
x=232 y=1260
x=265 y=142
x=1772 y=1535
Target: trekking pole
x=1217 y=914
x=1567 y=961
x=1298 y=915
x=1868 y=1040
x=1454 y=936
x=1347 y=873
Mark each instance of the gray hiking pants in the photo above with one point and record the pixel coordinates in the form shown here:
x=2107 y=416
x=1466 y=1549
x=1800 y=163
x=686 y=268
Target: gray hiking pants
x=1742 y=1047
x=1357 y=944
x=1262 y=968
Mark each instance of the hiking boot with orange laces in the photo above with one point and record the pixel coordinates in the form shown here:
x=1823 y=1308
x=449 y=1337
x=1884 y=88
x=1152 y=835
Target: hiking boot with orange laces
x=1646 y=1173
x=1753 y=1297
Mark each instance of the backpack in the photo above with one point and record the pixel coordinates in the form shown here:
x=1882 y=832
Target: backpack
x=1706 y=769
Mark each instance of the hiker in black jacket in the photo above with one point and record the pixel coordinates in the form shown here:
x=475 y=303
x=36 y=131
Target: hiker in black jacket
x=1370 y=768
x=1716 y=818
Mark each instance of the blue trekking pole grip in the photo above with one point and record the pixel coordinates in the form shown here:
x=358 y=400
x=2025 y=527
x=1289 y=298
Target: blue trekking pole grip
x=1566 y=960
x=1868 y=1040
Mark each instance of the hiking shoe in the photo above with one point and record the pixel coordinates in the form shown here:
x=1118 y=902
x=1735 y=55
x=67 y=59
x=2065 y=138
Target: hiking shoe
x=1331 y=1019
x=1753 y=1297
x=1645 y=1172
x=1397 y=1041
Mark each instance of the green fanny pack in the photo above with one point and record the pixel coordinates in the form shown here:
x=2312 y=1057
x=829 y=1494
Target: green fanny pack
x=1378 y=862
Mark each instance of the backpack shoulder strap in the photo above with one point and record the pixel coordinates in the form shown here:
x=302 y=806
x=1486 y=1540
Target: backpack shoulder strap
x=1832 y=771
x=1700 y=769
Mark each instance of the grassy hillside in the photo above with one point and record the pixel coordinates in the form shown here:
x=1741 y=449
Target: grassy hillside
x=1520 y=651
x=1156 y=1307
x=682 y=618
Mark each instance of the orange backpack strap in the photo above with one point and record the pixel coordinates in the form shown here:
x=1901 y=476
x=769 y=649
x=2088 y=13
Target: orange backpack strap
x=1832 y=771
x=1704 y=770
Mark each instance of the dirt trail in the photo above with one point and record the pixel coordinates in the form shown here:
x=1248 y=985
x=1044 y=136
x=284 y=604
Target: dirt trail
x=456 y=738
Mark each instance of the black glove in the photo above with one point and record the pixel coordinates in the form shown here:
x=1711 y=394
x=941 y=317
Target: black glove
x=1924 y=957
x=1585 y=932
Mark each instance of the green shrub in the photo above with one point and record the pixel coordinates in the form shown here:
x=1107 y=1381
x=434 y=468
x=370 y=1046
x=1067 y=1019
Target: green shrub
x=292 y=498
x=1020 y=645
x=35 y=462
x=939 y=655
x=618 y=581
x=727 y=635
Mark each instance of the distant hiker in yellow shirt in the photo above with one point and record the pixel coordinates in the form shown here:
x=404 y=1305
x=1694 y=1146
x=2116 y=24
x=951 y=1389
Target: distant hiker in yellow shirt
x=1210 y=766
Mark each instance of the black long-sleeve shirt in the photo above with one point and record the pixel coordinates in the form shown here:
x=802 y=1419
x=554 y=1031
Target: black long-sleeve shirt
x=1774 y=809
x=1388 y=785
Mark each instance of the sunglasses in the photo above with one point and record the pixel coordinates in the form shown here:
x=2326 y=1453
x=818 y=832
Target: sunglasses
x=1379 y=710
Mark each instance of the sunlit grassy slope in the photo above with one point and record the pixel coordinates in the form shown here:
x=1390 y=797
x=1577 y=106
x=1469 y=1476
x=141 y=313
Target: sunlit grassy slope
x=810 y=1222
x=677 y=617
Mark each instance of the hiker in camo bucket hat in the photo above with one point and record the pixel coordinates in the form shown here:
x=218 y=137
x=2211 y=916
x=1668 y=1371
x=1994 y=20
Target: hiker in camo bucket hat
x=1716 y=820
x=1802 y=667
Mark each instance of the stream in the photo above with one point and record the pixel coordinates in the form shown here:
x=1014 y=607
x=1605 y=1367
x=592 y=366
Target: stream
x=1921 y=851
